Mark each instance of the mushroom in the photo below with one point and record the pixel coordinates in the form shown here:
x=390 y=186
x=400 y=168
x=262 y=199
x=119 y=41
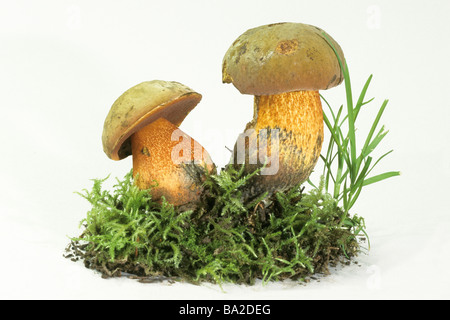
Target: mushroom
x=143 y=122
x=284 y=65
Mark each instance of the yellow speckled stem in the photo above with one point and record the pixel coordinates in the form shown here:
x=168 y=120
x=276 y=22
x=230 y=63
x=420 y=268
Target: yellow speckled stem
x=153 y=160
x=299 y=118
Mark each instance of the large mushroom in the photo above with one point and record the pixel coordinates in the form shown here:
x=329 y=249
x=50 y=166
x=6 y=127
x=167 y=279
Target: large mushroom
x=284 y=66
x=143 y=122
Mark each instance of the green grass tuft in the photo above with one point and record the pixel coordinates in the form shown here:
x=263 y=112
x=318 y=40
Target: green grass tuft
x=343 y=168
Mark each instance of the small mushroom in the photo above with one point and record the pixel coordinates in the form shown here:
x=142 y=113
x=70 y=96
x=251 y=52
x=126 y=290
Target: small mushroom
x=284 y=65
x=143 y=122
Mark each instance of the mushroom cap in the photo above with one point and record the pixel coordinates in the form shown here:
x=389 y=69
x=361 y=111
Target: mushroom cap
x=282 y=57
x=139 y=106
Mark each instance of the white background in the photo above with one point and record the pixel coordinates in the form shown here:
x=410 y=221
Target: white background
x=63 y=63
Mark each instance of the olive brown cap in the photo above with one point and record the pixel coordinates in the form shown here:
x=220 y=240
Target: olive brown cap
x=140 y=106
x=282 y=57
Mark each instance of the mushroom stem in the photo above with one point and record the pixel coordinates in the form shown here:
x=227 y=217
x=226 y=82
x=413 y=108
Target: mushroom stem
x=157 y=166
x=298 y=117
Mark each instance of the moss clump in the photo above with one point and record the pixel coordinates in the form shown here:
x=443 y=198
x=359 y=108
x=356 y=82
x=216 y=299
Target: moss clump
x=226 y=238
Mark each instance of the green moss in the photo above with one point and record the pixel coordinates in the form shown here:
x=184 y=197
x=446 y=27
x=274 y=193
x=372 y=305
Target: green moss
x=226 y=238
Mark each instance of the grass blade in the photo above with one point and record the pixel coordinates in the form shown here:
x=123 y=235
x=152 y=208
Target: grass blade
x=364 y=151
x=379 y=159
x=380 y=177
x=360 y=102
x=334 y=135
x=357 y=187
x=381 y=134
x=351 y=118
x=375 y=124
